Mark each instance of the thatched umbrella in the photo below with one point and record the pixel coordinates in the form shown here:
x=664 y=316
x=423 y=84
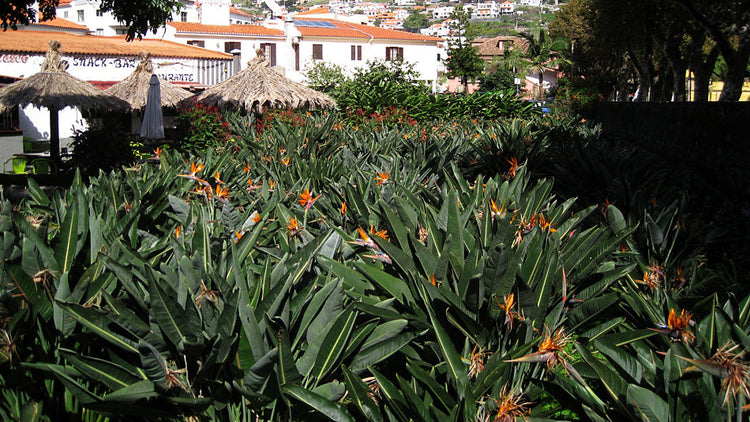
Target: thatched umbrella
x=134 y=88
x=259 y=86
x=54 y=89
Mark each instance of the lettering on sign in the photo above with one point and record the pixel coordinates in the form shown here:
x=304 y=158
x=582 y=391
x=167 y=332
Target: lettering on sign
x=177 y=77
x=14 y=58
x=106 y=62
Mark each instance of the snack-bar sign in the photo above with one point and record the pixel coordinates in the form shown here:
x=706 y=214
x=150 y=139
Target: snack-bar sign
x=113 y=62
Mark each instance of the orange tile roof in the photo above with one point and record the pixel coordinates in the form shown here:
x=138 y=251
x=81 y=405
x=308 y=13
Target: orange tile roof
x=62 y=23
x=225 y=29
x=314 y=11
x=36 y=42
x=237 y=11
x=64 y=2
x=353 y=30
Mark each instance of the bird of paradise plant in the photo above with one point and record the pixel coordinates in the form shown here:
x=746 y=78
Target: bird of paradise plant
x=507 y=306
x=510 y=406
x=307 y=200
x=730 y=367
x=676 y=327
x=551 y=352
x=382 y=178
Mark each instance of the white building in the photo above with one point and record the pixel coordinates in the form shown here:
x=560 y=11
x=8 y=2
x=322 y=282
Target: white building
x=443 y=12
x=506 y=8
x=488 y=10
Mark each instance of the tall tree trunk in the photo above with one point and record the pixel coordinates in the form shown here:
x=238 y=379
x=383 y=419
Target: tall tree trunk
x=735 y=78
x=702 y=65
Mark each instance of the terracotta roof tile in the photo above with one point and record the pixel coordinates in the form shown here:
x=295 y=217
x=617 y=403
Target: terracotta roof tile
x=62 y=23
x=64 y=2
x=225 y=29
x=237 y=11
x=36 y=42
x=314 y=11
x=352 y=30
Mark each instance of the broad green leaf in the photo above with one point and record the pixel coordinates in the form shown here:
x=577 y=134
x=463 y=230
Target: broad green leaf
x=650 y=406
x=332 y=410
x=359 y=393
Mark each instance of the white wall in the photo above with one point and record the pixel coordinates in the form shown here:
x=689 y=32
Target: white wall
x=338 y=52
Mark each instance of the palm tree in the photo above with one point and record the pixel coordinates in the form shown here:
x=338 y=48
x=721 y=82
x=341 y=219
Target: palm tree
x=542 y=54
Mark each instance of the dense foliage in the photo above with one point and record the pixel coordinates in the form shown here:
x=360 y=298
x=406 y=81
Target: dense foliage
x=325 y=269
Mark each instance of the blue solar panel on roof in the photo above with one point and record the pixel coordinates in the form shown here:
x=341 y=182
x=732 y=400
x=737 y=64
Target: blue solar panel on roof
x=314 y=24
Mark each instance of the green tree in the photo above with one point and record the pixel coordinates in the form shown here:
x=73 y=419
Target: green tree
x=139 y=16
x=542 y=54
x=500 y=80
x=416 y=20
x=324 y=77
x=463 y=60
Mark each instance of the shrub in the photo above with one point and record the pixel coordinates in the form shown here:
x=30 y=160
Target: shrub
x=100 y=148
x=577 y=94
x=200 y=127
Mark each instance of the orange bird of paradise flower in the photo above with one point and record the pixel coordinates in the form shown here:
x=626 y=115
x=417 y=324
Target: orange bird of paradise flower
x=382 y=178
x=551 y=351
x=306 y=199
x=222 y=193
x=293 y=227
x=510 y=406
x=343 y=208
x=363 y=240
x=513 y=161
x=507 y=305
x=383 y=234
x=158 y=152
x=676 y=327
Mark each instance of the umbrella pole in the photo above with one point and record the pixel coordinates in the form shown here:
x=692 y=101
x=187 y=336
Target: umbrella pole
x=54 y=137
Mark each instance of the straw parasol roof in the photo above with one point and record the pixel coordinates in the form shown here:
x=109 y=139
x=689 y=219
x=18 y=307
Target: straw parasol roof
x=134 y=88
x=259 y=86
x=54 y=89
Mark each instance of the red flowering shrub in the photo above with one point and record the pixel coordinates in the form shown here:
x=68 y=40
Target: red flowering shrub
x=200 y=127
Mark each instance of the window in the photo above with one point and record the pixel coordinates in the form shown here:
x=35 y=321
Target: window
x=232 y=45
x=80 y=16
x=65 y=14
x=356 y=52
x=183 y=16
x=121 y=31
x=438 y=57
x=269 y=50
x=197 y=43
x=317 y=51
x=99 y=13
x=394 y=53
x=99 y=31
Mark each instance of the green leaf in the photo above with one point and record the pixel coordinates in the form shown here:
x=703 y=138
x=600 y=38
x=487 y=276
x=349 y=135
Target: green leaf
x=98 y=323
x=651 y=406
x=110 y=374
x=394 y=286
x=333 y=344
x=65 y=249
x=179 y=325
x=332 y=410
x=452 y=358
x=137 y=391
x=380 y=351
x=358 y=391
